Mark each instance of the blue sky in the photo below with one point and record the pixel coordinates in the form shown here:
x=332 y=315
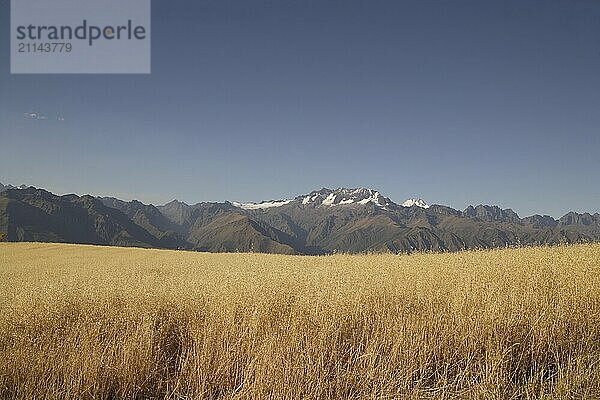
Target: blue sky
x=457 y=102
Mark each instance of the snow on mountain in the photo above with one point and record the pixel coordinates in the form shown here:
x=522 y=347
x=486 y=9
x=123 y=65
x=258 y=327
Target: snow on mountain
x=335 y=197
x=343 y=196
x=310 y=199
x=9 y=186
x=262 y=205
x=415 y=202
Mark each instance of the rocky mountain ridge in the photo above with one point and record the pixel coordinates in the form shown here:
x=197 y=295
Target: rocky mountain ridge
x=321 y=222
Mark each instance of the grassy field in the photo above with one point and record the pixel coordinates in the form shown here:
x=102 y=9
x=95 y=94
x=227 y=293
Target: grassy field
x=85 y=322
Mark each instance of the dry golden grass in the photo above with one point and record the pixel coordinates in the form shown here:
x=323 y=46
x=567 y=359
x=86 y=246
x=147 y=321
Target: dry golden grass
x=85 y=322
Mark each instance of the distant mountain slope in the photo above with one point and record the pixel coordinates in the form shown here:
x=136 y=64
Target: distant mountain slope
x=37 y=215
x=238 y=232
x=150 y=219
x=321 y=222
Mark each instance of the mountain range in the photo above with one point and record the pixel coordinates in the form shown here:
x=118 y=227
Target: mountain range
x=322 y=222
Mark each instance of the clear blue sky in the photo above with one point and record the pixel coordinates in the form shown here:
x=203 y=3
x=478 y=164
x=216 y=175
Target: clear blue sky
x=457 y=102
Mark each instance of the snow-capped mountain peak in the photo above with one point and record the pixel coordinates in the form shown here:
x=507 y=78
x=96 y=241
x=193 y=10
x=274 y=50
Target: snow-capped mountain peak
x=9 y=186
x=416 y=202
x=344 y=196
x=335 y=197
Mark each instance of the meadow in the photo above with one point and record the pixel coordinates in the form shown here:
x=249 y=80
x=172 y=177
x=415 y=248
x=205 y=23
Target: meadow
x=89 y=322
